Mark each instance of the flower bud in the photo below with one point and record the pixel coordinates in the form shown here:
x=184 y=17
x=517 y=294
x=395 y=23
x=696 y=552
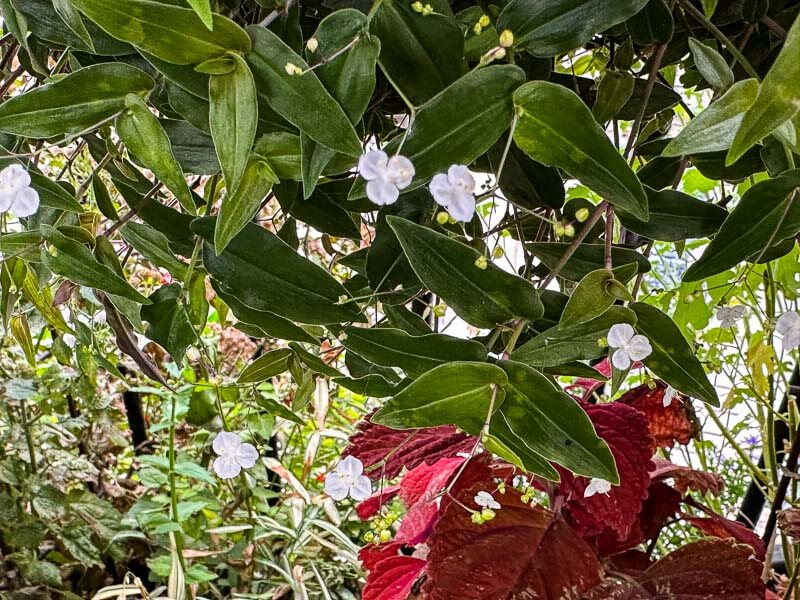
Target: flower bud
x=569 y=231
x=559 y=230
x=369 y=537
x=602 y=342
x=487 y=514
x=442 y=217
x=312 y=44
x=427 y=10
x=506 y=38
x=477 y=28
x=498 y=252
x=482 y=262
x=484 y=21
x=293 y=69
x=440 y=310
x=582 y=214
x=385 y=535
x=477 y=518
x=417 y=6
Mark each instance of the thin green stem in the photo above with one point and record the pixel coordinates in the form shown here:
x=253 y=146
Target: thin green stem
x=757 y=473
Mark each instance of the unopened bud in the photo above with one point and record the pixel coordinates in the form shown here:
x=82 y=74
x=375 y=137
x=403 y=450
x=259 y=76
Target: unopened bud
x=369 y=536
x=442 y=217
x=427 y=10
x=484 y=21
x=417 y=7
x=506 y=38
x=312 y=44
x=482 y=262
x=602 y=342
x=477 y=518
x=440 y=310
x=385 y=535
x=581 y=214
x=498 y=252
x=487 y=514
x=477 y=28
x=569 y=230
x=559 y=230
x=293 y=69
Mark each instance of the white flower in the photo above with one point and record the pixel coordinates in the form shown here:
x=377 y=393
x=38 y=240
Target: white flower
x=233 y=455
x=597 y=486
x=455 y=192
x=788 y=326
x=730 y=314
x=385 y=176
x=627 y=345
x=348 y=480
x=15 y=194
x=486 y=500
x=669 y=395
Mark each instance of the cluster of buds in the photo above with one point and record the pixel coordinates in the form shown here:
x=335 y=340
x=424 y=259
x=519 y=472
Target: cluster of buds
x=564 y=230
x=482 y=22
x=381 y=528
x=423 y=9
x=293 y=69
x=482 y=262
x=499 y=51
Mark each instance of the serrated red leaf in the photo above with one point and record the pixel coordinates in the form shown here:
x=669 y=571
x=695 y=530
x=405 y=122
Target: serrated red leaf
x=371 y=554
x=686 y=478
x=632 y=563
x=372 y=505
x=523 y=553
x=372 y=444
x=720 y=527
x=709 y=569
x=668 y=425
x=789 y=522
x=625 y=431
x=393 y=578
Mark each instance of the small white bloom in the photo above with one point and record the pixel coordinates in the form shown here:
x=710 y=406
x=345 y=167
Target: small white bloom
x=16 y=195
x=669 y=395
x=455 y=191
x=486 y=500
x=597 y=486
x=730 y=314
x=69 y=340
x=788 y=325
x=628 y=347
x=385 y=176
x=233 y=455
x=520 y=481
x=348 y=480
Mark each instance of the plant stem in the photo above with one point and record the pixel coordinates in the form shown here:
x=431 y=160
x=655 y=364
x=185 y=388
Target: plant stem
x=28 y=435
x=576 y=241
x=609 y=236
x=655 y=65
x=173 y=493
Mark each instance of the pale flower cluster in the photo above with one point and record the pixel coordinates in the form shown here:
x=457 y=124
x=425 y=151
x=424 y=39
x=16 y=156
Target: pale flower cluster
x=16 y=195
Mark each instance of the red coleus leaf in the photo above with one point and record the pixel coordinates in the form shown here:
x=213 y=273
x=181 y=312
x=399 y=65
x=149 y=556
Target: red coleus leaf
x=391 y=575
x=373 y=444
x=668 y=425
x=710 y=569
x=523 y=553
x=686 y=478
x=372 y=505
x=720 y=527
x=789 y=522
x=625 y=430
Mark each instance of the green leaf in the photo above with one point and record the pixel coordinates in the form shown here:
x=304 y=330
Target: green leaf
x=322 y=210
x=715 y=128
x=514 y=450
x=589 y=299
x=203 y=10
x=768 y=212
x=300 y=99
x=239 y=206
x=273 y=407
x=482 y=297
x=557 y=129
x=586 y=258
x=712 y=66
x=613 y=91
x=371 y=386
x=106 y=254
x=233 y=118
x=142 y=134
x=282 y=151
x=154 y=246
x=350 y=79
x=653 y=24
x=313 y=362
x=402 y=318
x=74 y=261
x=672 y=358
x=420 y=55
x=75 y=103
x=265 y=274
x=459 y=124
x=552 y=424
x=414 y=354
x=169 y=324
x=193 y=148
x=675 y=216
x=559 y=345
x=172 y=33
x=457 y=393
x=266 y=366
x=551 y=28
x=53 y=195
x=778 y=98
x=70 y=15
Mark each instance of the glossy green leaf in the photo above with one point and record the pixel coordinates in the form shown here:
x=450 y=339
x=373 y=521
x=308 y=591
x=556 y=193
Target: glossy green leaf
x=420 y=55
x=370 y=386
x=78 y=102
x=778 y=98
x=144 y=137
x=767 y=213
x=457 y=393
x=266 y=274
x=203 y=10
x=715 y=127
x=402 y=318
x=414 y=354
x=613 y=91
x=172 y=33
x=193 y=148
x=525 y=182
x=672 y=358
x=589 y=299
x=586 y=258
x=233 y=118
x=74 y=261
x=559 y=345
x=551 y=28
x=314 y=362
x=266 y=366
x=321 y=210
x=106 y=254
x=282 y=151
x=154 y=246
x=552 y=424
x=70 y=15
x=712 y=66
x=300 y=99
x=556 y=128
x=52 y=194
x=482 y=297
x=168 y=323
x=653 y=24
x=675 y=216
x=239 y=206
x=505 y=444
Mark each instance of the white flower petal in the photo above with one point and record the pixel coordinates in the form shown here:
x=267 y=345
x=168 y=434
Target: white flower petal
x=597 y=486
x=226 y=442
x=246 y=455
x=620 y=359
x=787 y=321
x=350 y=467
x=483 y=499
x=400 y=171
x=382 y=192
x=620 y=334
x=461 y=179
x=372 y=165
x=639 y=347
x=361 y=488
x=791 y=339
x=226 y=467
x=441 y=190
x=462 y=207
x=25 y=203
x=6 y=198
x=335 y=486
x=669 y=395
x=14 y=178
